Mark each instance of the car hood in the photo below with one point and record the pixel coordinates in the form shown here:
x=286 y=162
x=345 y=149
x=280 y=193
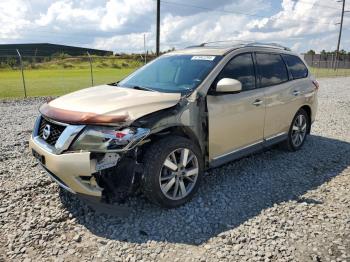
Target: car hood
x=107 y=104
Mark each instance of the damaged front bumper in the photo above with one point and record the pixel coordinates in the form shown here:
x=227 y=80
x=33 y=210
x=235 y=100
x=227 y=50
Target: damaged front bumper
x=72 y=171
x=85 y=164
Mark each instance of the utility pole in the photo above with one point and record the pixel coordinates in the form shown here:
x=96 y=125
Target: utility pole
x=144 y=47
x=158 y=27
x=339 y=37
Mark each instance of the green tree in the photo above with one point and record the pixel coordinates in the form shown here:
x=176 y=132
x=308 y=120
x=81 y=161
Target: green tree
x=311 y=52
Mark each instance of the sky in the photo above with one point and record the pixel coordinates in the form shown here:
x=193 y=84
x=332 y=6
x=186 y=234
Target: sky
x=120 y=25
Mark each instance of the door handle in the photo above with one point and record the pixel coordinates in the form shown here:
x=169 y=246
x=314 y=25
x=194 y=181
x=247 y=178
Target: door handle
x=296 y=92
x=257 y=102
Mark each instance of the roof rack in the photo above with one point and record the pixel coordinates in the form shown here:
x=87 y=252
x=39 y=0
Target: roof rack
x=270 y=45
x=244 y=44
x=239 y=42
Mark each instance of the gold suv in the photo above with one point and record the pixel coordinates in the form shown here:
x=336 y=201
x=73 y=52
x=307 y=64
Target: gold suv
x=159 y=128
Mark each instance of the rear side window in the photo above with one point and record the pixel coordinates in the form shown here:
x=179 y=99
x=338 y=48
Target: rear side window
x=295 y=66
x=272 y=69
x=240 y=68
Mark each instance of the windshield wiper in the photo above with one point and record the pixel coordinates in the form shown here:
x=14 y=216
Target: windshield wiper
x=114 y=84
x=142 y=88
x=134 y=87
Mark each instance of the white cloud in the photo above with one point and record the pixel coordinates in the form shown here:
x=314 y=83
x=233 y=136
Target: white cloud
x=125 y=43
x=118 y=13
x=63 y=12
x=119 y=25
x=12 y=18
x=257 y=23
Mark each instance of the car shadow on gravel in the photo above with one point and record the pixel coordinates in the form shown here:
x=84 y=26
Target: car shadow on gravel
x=229 y=196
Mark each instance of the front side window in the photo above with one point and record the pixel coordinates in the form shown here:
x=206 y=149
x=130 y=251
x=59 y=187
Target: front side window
x=272 y=69
x=172 y=74
x=295 y=66
x=240 y=68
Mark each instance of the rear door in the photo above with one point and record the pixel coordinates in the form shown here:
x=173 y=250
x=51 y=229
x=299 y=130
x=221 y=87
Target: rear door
x=274 y=80
x=236 y=121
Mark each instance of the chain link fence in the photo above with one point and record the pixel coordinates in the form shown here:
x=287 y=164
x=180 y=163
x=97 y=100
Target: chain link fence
x=328 y=69
x=23 y=75
x=32 y=75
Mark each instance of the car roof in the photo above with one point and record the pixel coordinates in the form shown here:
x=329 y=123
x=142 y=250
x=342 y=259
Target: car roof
x=205 y=49
x=201 y=50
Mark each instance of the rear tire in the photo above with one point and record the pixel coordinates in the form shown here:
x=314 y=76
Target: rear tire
x=173 y=171
x=298 y=131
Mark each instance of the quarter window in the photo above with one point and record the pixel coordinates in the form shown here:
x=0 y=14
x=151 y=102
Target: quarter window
x=272 y=69
x=295 y=66
x=240 y=68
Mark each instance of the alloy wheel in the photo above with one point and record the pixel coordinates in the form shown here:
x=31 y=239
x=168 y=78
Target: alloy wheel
x=179 y=173
x=299 y=130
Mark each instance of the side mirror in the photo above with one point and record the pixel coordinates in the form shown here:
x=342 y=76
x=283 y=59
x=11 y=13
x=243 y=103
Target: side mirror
x=228 y=85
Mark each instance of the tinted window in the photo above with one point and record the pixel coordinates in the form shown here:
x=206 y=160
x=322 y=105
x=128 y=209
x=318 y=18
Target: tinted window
x=240 y=68
x=272 y=69
x=295 y=66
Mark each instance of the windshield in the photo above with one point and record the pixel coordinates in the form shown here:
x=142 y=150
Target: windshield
x=172 y=74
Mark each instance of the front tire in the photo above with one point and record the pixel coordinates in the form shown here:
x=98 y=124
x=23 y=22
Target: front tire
x=298 y=131
x=173 y=171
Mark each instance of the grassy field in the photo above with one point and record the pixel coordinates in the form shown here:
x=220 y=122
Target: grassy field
x=56 y=78
x=53 y=82
x=329 y=72
x=62 y=75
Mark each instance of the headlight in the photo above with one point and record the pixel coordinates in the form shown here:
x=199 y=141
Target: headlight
x=107 y=139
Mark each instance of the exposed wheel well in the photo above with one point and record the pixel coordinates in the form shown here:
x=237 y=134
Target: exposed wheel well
x=179 y=131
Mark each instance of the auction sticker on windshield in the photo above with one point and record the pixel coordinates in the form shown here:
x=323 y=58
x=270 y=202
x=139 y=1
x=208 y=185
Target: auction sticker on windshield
x=203 y=57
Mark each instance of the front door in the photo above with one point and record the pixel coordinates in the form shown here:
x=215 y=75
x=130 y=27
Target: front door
x=236 y=121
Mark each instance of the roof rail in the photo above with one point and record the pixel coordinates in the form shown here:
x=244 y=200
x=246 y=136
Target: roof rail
x=223 y=41
x=239 y=42
x=271 y=45
x=244 y=43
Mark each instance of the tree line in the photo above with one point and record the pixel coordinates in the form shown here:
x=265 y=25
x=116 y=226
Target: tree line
x=325 y=53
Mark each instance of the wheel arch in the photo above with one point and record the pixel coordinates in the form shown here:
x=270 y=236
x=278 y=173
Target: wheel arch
x=307 y=109
x=178 y=130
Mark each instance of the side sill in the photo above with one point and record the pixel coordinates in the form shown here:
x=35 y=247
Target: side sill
x=235 y=155
x=239 y=153
x=275 y=139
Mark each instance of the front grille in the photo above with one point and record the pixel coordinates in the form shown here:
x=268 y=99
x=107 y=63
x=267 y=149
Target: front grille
x=55 y=131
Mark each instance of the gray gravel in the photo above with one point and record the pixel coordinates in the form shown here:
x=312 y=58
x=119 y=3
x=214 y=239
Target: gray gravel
x=271 y=206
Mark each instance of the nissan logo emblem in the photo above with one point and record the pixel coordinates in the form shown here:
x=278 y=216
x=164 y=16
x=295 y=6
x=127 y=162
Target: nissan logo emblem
x=46 y=132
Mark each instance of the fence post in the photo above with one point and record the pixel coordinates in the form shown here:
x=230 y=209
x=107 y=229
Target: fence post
x=318 y=67
x=91 y=74
x=24 y=82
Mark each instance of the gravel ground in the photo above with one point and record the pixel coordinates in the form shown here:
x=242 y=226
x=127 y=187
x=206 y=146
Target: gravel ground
x=271 y=206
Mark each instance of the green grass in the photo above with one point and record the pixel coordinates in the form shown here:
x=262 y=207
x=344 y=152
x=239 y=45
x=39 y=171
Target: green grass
x=329 y=72
x=54 y=82
x=56 y=78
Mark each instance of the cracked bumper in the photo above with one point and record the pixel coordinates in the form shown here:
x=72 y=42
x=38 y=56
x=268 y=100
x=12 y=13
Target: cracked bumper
x=72 y=171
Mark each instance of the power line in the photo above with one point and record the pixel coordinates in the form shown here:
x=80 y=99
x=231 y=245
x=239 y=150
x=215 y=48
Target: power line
x=44 y=33
x=314 y=4
x=239 y=13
